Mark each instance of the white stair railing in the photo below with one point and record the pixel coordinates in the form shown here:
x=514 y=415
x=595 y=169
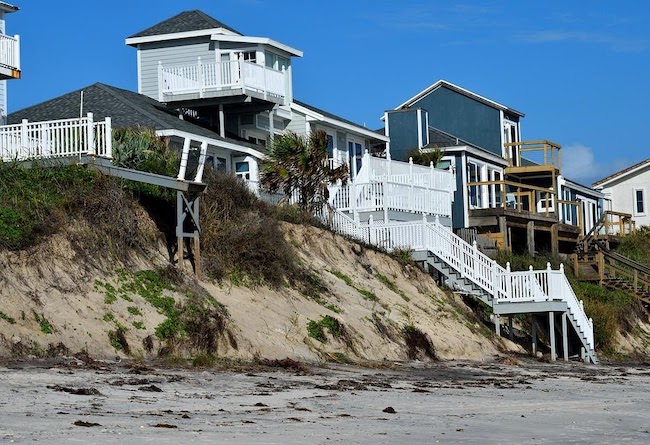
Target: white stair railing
x=500 y=284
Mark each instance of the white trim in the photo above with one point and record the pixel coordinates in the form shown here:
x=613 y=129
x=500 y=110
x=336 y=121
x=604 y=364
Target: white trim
x=360 y=131
x=419 y=122
x=464 y=187
x=132 y=41
x=215 y=142
x=259 y=41
x=139 y=63
x=486 y=156
x=643 y=199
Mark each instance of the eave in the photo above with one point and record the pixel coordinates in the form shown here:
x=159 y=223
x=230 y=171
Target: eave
x=257 y=41
x=134 y=41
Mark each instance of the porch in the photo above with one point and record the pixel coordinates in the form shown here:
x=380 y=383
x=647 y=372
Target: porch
x=225 y=79
x=9 y=57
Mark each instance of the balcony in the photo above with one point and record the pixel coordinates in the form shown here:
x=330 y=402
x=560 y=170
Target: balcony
x=222 y=79
x=532 y=158
x=9 y=57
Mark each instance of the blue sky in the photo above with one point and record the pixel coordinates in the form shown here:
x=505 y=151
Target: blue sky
x=579 y=70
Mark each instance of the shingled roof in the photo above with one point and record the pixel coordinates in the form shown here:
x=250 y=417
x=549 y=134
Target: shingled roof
x=623 y=172
x=186 y=21
x=125 y=108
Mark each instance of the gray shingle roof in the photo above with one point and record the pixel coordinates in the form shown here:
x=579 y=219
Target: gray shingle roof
x=125 y=108
x=441 y=139
x=333 y=116
x=194 y=20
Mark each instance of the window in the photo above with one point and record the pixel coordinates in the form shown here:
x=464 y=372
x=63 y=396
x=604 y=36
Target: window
x=639 y=201
x=276 y=62
x=330 y=146
x=242 y=170
x=250 y=56
x=356 y=153
x=473 y=176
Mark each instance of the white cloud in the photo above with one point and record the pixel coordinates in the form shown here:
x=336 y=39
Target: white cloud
x=579 y=164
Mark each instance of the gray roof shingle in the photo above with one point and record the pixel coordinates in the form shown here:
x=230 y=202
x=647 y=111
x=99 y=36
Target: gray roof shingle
x=125 y=108
x=194 y=20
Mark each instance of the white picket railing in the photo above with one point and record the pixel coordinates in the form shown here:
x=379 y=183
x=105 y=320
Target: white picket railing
x=56 y=139
x=383 y=184
x=503 y=285
x=201 y=78
x=10 y=51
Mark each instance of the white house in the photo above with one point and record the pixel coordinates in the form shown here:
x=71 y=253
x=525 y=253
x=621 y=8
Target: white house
x=627 y=191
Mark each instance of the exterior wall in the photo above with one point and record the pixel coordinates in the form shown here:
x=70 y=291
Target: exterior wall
x=622 y=195
x=298 y=124
x=403 y=132
x=176 y=52
x=463 y=117
x=3 y=83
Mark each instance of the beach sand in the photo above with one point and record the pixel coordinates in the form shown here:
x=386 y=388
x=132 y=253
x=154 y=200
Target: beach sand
x=522 y=401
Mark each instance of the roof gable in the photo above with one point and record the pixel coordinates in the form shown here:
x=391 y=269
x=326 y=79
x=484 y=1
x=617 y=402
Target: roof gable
x=623 y=173
x=444 y=84
x=186 y=21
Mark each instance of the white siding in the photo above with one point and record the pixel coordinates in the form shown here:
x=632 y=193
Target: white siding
x=177 y=52
x=298 y=124
x=622 y=196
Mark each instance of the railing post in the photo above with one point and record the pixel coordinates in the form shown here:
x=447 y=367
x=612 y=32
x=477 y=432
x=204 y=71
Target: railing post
x=495 y=283
x=508 y=281
x=550 y=284
x=384 y=197
x=201 y=79
x=90 y=139
x=184 y=156
x=109 y=138
x=425 y=232
x=24 y=139
x=160 y=82
x=474 y=257
x=410 y=200
x=371 y=238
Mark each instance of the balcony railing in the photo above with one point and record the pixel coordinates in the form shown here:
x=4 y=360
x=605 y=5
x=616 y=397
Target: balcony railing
x=528 y=153
x=523 y=198
x=209 y=79
x=55 y=139
x=10 y=52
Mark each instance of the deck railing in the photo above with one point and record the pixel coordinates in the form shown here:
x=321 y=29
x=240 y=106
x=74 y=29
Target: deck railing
x=202 y=78
x=383 y=185
x=542 y=152
x=10 y=51
x=503 y=285
x=56 y=139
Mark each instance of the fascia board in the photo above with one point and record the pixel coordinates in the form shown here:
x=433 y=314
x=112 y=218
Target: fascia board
x=310 y=114
x=258 y=40
x=490 y=157
x=133 y=41
x=621 y=176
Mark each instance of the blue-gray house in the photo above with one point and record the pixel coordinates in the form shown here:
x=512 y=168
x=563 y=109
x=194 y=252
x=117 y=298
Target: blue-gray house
x=509 y=190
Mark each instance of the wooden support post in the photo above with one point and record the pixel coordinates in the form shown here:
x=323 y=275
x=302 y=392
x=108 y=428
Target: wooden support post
x=530 y=237
x=222 y=122
x=180 y=253
x=576 y=270
x=601 y=266
x=551 y=335
x=533 y=334
x=565 y=338
x=503 y=229
x=510 y=333
x=497 y=325
x=197 y=257
x=555 y=243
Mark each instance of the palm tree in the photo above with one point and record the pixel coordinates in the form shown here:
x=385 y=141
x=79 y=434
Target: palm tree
x=299 y=164
x=426 y=157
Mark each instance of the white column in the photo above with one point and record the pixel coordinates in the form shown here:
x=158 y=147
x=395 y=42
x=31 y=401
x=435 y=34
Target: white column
x=551 y=335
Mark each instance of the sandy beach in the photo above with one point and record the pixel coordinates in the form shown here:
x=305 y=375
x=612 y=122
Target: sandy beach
x=451 y=402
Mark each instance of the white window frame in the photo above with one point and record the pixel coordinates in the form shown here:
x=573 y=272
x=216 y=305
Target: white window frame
x=634 y=202
x=482 y=191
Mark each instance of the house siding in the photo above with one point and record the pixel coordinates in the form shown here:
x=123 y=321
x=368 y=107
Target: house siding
x=463 y=117
x=403 y=133
x=176 y=52
x=298 y=124
x=621 y=194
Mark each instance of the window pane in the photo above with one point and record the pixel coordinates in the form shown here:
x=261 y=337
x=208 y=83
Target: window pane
x=639 y=201
x=241 y=167
x=330 y=145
